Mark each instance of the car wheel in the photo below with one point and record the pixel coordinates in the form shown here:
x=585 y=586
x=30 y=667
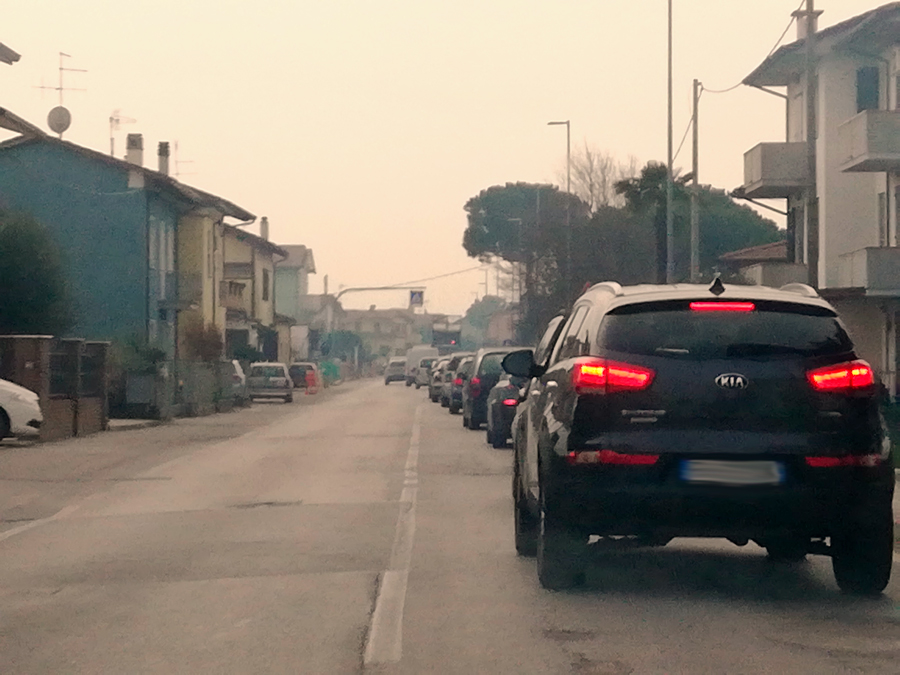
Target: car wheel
x=862 y=552
x=454 y=408
x=387 y=382
x=444 y=403
x=288 y=399
x=524 y=522
x=560 y=552
x=496 y=439
x=465 y=418
x=4 y=424
x=408 y=383
x=787 y=549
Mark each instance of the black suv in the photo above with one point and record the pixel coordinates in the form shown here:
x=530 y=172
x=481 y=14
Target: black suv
x=740 y=412
x=485 y=373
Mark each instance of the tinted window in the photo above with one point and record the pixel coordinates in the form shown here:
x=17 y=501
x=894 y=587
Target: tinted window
x=569 y=345
x=672 y=329
x=267 y=371
x=299 y=370
x=490 y=364
x=465 y=367
x=546 y=343
x=426 y=363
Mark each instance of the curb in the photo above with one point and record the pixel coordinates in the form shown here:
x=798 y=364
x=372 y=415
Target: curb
x=131 y=425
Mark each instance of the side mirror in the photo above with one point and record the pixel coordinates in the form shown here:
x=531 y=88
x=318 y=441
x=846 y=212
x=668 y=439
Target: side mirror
x=521 y=364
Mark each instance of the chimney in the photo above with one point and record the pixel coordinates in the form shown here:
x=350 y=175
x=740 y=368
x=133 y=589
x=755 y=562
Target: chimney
x=800 y=15
x=264 y=228
x=134 y=149
x=325 y=291
x=163 y=156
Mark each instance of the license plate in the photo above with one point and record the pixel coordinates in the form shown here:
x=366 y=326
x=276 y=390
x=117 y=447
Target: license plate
x=725 y=472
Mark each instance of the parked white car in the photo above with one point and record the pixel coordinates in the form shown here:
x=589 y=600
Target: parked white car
x=20 y=411
x=270 y=380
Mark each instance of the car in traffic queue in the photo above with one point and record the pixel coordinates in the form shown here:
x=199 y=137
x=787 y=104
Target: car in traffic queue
x=299 y=372
x=462 y=373
x=502 y=404
x=269 y=380
x=20 y=411
x=413 y=356
x=450 y=374
x=395 y=370
x=423 y=371
x=740 y=412
x=436 y=379
x=486 y=371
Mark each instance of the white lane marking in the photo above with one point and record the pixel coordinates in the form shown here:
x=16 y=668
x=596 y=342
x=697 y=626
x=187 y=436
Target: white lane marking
x=384 y=643
x=62 y=513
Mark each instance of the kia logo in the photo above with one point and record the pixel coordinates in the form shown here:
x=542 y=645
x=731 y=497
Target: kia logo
x=732 y=381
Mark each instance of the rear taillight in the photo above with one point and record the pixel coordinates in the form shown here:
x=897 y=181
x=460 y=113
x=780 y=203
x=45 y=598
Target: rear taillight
x=475 y=387
x=846 y=460
x=600 y=376
x=842 y=377
x=581 y=457
x=723 y=306
x=511 y=401
x=457 y=382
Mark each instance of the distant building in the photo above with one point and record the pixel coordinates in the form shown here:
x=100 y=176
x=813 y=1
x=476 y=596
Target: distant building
x=384 y=332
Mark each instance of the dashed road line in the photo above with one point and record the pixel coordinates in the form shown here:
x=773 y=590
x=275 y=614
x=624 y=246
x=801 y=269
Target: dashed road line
x=62 y=513
x=384 y=643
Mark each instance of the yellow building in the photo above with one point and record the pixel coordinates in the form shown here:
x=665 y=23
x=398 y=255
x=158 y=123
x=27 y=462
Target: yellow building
x=249 y=294
x=201 y=273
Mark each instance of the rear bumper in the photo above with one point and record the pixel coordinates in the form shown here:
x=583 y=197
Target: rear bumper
x=629 y=500
x=269 y=393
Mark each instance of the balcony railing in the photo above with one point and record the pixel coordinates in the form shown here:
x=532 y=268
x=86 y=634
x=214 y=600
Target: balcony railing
x=870 y=141
x=773 y=170
x=876 y=269
x=231 y=295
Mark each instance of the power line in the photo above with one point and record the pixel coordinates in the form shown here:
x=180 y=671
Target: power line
x=440 y=276
x=771 y=51
x=684 y=138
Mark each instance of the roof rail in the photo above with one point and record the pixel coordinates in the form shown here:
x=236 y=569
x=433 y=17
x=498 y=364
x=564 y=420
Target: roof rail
x=800 y=289
x=612 y=286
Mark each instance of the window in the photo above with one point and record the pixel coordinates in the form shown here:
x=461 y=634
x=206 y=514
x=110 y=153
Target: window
x=265 y=288
x=543 y=348
x=882 y=219
x=569 y=345
x=867 y=90
x=491 y=364
x=672 y=330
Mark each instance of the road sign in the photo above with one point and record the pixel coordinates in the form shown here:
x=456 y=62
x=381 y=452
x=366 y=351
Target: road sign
x=416 y=298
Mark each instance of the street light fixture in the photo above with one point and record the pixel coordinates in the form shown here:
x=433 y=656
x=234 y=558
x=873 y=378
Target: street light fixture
x=568 y=207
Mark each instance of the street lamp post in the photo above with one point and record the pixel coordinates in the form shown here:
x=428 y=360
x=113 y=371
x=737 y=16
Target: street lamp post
x=670 y=187
x=568 y=207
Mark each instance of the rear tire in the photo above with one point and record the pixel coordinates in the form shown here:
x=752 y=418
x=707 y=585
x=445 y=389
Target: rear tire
x=418 y=386
x=862 y=554
x=454 y=408
x=524 y=521
x=495 y=439
x=560 y=552
x=5 y=427
x=288 y=399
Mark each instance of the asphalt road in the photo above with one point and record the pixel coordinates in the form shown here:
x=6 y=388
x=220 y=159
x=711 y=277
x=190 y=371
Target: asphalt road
x=365 y=531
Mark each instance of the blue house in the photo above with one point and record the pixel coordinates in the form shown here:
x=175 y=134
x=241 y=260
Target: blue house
x=116 y=224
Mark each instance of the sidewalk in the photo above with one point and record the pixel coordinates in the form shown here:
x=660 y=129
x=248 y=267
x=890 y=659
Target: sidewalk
x=129 y=424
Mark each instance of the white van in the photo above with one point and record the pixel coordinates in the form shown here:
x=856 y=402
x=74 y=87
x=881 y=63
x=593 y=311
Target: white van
x=413 y=356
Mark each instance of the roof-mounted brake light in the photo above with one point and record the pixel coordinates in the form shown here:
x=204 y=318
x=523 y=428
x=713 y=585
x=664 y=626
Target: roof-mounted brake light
x=717 y=306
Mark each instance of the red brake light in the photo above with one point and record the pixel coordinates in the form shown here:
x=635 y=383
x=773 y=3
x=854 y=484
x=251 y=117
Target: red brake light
x=475 y=386
x=843 y=376
x=846 y=460
x=458 y=382
x=582 y=457
x=723 y=306
x=510 y=401
x=598 y=376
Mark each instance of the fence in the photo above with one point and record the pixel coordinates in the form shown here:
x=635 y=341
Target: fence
x=69 y=376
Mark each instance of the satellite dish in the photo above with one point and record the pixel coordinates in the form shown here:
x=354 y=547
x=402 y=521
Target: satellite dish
x=59 y=119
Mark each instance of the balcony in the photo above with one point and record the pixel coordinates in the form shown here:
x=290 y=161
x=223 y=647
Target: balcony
x=870 y=141
x=774 y=170
x=231 y=295
x=875 y=269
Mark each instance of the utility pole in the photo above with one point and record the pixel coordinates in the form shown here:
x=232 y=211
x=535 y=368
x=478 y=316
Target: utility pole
x=695 y=191
x=670 y=186
x=812 y=197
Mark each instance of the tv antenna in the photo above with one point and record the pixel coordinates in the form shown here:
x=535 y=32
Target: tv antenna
x=60 y=118
x=179 y=162
x=116 y=119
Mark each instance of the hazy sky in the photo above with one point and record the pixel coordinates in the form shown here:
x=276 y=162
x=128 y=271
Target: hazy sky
x=361 y=127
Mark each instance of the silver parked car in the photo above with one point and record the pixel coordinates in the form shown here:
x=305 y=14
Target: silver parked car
x=270 y=380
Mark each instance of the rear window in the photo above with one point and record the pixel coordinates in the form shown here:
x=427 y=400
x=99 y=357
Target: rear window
x=299 y=370
x=672 y=329
x=465 y=367
x=426 y=363
x=267 y=371
x=491 y=364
